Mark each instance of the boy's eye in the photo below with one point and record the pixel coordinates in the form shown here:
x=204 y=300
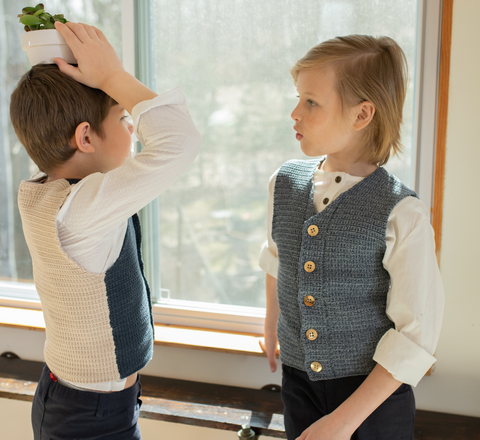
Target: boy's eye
x=310 y=102
x=124 y=118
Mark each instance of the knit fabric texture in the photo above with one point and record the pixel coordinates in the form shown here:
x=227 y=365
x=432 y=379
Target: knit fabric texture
x=349 y=283
x=99 y=327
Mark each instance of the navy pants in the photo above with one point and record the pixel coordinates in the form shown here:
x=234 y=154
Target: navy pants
x=306 y=401
x=61 y=413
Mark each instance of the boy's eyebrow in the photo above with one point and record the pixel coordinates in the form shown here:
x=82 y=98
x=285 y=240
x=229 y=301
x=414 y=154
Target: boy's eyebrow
x=309 y=94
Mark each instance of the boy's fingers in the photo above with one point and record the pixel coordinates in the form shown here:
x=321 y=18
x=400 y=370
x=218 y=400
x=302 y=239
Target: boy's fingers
x=100 y=34
x=272 y=361
x=73 y=33
x=66 y=68
x=273 y=364
x=70 y=36
x=90 y=30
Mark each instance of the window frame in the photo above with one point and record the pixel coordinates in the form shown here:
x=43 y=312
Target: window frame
x=136 y=52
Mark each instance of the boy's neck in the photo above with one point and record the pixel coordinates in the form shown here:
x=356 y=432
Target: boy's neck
x=67 y=171
x=78 y=167
x=359 y=169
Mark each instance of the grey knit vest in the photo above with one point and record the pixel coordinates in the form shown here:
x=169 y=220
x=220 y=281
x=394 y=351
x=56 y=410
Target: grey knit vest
x=332 y=312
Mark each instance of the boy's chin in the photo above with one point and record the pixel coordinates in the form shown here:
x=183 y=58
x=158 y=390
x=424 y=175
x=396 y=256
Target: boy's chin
x=310 y=152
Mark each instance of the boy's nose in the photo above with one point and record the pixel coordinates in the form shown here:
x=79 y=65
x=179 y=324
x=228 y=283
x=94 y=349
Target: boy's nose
x=130 y=128
x=295 y=114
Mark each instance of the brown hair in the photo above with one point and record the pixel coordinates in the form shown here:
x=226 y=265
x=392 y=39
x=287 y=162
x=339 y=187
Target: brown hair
x=366 y=69
x=47 y=106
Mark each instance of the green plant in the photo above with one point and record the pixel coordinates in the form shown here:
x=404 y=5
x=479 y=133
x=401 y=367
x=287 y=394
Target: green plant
x=35 y=18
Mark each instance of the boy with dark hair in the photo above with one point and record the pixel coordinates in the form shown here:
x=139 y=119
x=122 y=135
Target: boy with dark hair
x=80 y=224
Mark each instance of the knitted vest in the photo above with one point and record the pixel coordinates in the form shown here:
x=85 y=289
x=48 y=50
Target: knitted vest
x=332 y=312
x=99 y=326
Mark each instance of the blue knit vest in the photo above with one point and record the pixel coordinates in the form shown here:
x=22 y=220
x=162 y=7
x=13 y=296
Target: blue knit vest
x=130 y=304
x=349 y=284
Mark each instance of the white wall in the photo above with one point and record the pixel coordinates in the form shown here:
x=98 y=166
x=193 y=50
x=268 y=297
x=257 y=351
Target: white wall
x=454 y=386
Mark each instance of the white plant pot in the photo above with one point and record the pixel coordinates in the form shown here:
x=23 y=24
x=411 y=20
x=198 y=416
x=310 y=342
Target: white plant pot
x=45 y=45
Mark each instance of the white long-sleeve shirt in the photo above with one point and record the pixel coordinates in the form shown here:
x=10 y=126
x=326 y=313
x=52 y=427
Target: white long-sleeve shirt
x=415 y=299
x=92 y=222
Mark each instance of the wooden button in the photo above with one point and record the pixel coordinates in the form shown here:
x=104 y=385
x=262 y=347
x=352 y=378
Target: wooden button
x=312 y=230
x=338 y=179
x=309 y=266
x=309 y=300
x=311 y=334
x=326 y=200
x=316 y=366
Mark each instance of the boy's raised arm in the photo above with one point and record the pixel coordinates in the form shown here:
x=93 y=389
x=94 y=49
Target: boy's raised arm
x=99 y=66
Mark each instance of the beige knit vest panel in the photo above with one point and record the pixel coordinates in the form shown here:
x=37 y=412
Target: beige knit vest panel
x=79 y=346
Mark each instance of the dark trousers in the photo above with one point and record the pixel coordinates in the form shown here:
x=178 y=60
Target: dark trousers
x=306 y=401
x=61 y=413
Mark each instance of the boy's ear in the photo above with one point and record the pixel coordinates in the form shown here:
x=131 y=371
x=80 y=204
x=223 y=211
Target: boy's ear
x=82 y=139
x=365 y=112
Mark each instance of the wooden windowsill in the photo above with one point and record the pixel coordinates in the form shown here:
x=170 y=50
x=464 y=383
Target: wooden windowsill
x=165 y=334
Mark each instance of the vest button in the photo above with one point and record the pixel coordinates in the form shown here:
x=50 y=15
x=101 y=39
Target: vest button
x=309 y=266
x=338 y=179
x=316 y=366
x=326 y=200
x=312 y=230
x=311 y=334
x=309 y=300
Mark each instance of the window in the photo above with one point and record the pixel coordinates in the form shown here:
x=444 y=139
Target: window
x=203 y=236
x=232 y=60
x=15 y=165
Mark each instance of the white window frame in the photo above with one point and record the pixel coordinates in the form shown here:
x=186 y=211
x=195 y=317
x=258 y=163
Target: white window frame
x=251 y=319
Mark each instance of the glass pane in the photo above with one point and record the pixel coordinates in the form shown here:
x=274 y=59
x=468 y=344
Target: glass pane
x=15 y=165
x=232 y=59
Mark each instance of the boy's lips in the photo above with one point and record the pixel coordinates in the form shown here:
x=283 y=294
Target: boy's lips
x=298 y=135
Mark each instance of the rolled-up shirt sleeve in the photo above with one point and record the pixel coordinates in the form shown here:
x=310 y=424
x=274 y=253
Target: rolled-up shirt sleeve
x=415 y=301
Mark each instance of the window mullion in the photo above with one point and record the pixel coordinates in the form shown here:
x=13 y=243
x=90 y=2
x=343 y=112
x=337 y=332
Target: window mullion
x=426 y=86
x=144 y=60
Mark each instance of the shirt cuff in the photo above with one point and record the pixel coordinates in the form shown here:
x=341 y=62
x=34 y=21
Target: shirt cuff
x=268 y=262
x=402 y=358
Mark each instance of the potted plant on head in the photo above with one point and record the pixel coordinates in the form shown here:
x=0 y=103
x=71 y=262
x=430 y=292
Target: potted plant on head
x=41 y=41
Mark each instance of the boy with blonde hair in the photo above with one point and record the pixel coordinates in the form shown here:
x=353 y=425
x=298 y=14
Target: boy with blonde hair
x=353 y=288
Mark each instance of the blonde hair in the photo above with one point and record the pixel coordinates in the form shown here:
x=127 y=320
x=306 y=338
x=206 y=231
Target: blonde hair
x=366 y=69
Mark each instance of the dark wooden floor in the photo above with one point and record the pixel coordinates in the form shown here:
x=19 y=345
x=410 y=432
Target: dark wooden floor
x=439 y=426
x=223 y=407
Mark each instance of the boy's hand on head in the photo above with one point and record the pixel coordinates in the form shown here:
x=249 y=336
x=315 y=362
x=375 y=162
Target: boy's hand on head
x=97 y=59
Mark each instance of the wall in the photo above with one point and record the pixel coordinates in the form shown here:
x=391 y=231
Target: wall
x=454 y=386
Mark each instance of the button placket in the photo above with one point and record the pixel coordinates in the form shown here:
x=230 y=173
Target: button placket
x=332 y=191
